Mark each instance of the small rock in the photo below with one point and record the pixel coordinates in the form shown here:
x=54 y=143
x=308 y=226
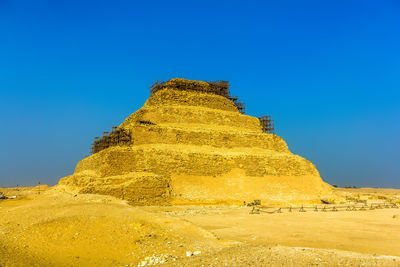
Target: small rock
x=197 y=252
x=189 y=254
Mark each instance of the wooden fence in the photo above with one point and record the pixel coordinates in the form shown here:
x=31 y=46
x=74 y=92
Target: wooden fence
x=322 y=208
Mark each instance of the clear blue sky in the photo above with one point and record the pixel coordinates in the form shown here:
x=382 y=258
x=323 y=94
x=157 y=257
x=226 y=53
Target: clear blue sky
x=327 y=71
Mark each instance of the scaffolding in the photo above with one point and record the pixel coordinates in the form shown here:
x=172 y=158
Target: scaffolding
x=267 y=124
x=117 y=137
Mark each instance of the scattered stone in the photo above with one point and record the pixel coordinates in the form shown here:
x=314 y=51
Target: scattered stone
x=189 y=253
x=197 y=252
x=156 y=259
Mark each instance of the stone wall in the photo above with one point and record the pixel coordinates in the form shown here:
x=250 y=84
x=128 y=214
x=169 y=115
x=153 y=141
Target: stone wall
x=187 y=98
x=190 y=115
x=154 y=134
x=139 y=188
x=167 y=159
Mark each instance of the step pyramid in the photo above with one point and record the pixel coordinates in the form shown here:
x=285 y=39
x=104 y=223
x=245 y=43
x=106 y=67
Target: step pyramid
x=189 y=146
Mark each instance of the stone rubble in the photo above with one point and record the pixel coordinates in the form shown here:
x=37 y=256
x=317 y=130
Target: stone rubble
x=157 y=259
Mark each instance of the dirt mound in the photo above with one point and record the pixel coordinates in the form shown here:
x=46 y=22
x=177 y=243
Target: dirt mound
x=59 y=229
x=197 y=146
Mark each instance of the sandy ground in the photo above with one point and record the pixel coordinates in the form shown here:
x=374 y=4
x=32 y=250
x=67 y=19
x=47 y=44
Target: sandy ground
x=59 y=229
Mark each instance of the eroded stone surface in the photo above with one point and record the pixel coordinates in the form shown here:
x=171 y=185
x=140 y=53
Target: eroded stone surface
x=197 y=147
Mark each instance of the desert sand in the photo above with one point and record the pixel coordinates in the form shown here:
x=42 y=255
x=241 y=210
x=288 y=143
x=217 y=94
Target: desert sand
x=55 y=228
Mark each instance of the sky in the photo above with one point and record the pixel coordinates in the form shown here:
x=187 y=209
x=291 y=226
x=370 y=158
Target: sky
x=327 y=71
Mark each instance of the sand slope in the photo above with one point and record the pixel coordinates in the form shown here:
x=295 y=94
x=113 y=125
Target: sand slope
x=60 y=229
